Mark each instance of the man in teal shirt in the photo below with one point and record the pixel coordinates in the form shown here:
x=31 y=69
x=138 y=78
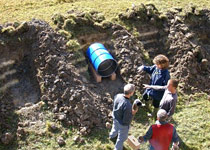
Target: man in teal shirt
x=122 y=116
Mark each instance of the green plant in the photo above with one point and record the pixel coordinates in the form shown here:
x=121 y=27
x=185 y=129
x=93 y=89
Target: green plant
x=48 y=126
x=42 y=87
x=69 y=24
x=135 y=33
x=16 y=24
x=10 y=30
x=73 y=45
x=66 y=34
x=58 y=19
x=88 y=16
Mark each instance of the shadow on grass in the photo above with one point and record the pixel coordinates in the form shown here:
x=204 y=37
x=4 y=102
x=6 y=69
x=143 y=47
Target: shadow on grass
x=172 y=121
x=141 y=116
x=101 y=135
x=97 y=135
x=183 y=146
x=9 y=124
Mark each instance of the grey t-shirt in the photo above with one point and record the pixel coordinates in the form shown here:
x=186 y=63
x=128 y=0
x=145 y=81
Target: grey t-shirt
x=168 y=102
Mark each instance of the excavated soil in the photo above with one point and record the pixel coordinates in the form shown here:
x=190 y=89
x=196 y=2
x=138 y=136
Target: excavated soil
x=182 y=38
x=38 y=63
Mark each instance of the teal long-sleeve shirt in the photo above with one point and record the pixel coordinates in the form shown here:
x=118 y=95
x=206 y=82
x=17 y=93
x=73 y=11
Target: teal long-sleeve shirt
x=122 y=110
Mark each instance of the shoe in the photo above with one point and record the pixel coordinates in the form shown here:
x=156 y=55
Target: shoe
x=143 y=105
x=113 y=139
x=149 y=115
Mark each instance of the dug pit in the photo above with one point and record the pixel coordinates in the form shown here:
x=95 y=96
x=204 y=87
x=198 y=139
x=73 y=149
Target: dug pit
x=18 y=80
x=51 y=66
x=27 y=89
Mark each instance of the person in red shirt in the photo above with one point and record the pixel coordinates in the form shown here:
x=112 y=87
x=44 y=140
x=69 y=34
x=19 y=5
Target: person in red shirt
x=161 y=134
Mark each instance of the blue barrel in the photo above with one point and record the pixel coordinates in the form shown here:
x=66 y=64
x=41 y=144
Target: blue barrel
x=102 y=60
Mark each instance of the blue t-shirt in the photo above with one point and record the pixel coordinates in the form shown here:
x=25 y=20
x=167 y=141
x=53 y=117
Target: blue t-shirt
x=158 y=77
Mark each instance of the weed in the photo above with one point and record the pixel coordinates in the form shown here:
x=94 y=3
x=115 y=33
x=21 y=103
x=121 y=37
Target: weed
x=73 y=45
x=69 y=24
x=65 y=34
x=10 y=30
x=42 y=87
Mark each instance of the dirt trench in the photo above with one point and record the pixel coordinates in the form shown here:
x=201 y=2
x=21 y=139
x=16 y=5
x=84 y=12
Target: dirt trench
x=35 y=58
x=184 y=39
x=38 y=63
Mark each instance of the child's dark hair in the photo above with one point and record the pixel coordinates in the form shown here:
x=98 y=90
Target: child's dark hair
x=161 y=60
x=175 y=82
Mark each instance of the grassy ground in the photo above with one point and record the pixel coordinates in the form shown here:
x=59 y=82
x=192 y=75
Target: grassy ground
x=192 y=115
x=191 y=121
x=21 y=10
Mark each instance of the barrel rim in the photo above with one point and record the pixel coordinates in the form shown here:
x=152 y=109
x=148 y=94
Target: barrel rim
x=114 y=70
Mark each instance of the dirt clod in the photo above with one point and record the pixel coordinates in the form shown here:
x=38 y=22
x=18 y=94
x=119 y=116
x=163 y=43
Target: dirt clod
x=7 y=138
x=61 y=141
x=108 y=125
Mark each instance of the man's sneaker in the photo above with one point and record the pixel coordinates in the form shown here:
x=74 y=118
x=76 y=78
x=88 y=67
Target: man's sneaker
x=113 y=139
x=149 y=115
x=143 y=105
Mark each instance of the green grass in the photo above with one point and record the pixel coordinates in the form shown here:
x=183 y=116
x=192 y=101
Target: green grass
x=192 y=114
x=25 y=10
x=191 y=121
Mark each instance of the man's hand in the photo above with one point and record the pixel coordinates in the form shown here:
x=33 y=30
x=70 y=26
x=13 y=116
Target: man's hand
x=175 y=146
x=140 y=68
x=141 y=139
x=146 y=86
x=134 y=111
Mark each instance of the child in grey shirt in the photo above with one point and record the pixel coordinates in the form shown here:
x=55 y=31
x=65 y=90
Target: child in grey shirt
x=169 y=100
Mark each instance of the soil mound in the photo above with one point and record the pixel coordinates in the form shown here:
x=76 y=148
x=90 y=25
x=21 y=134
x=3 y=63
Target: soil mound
x=38 y=63
x=39 y=56
x=183 y=38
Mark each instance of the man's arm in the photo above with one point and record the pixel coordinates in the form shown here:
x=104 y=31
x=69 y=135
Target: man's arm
x=175 y=140
x=175 y=137
x=172 y=107
x=134 y=111
x=155 y=87
x=148 y=134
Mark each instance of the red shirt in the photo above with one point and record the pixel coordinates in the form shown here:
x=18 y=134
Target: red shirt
x=162 y=136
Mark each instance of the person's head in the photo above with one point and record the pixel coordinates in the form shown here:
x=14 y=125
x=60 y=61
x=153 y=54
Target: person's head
x=162 y=115
x=129 y=90
x=172 y=85
x=161 y=61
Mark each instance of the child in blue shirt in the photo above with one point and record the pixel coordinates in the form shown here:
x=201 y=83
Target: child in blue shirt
x=159 y=76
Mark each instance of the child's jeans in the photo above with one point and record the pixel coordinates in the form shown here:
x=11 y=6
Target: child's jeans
x=155 y=102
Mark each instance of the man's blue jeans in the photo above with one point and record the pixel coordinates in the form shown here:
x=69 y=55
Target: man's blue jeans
x=120 y=131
